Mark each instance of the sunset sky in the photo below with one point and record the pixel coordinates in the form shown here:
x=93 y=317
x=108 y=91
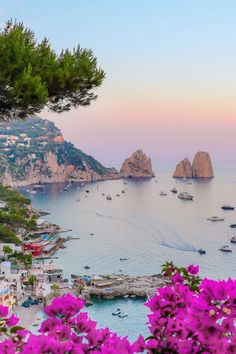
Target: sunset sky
x=171 y=74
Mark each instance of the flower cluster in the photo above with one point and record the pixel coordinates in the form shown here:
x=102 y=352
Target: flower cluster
x=188 y=315
x=67 y=330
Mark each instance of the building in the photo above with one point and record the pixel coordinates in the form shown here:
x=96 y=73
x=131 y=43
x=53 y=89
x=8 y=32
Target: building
x=7 y=297
x=12 y=275
x=36 y=249
x=53 y=272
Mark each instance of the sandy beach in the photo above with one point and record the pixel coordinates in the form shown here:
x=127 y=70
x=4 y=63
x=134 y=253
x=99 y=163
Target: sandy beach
x=28 y=315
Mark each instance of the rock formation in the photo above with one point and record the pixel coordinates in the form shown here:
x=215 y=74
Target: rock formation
x=34 y=151
x=202 y=167
x=183 y=169
x=138 y=165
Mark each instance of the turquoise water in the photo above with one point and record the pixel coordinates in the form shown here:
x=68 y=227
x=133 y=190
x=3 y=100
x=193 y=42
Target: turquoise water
x=144 y=227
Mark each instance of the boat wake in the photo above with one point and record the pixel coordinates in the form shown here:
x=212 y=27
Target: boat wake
x=163 y=234
x=180 y=246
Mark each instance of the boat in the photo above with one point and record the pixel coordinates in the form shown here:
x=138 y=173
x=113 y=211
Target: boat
x=174 y=190
x=185 y=196
x=201 y=251
x=35 y=324
x=233 y=239
x=123 y=259
x=225 y=248
x=133 y=296
x=163 y=193
x=125 y=296
x=215 y=218
x=189 y=182
x=116 y=312
x=227 y=207
x=118 y=195
x=108 y=197
x=125 y=182
x=123 y=191
x=123 y=315
x=232 y=225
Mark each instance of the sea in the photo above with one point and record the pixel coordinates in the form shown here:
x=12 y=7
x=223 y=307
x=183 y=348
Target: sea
x=146 y=228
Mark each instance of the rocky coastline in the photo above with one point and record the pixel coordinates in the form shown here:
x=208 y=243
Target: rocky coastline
x=200 y=168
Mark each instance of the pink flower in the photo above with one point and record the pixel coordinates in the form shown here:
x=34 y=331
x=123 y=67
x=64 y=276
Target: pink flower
x=193 y=269
x=177 y=278
x=3 y=311
x=12 y=321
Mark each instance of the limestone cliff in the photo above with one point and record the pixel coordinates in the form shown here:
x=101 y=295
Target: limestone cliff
x=202 y=167
x=138 y=165
x=34 y=151
x=183 y=169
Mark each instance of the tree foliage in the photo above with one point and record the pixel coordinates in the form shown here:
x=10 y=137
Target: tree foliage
x=33 y=76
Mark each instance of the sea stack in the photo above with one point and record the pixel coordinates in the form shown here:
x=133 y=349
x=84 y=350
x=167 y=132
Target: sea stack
x=138 y=165
x=202 y=167
x=183 y=169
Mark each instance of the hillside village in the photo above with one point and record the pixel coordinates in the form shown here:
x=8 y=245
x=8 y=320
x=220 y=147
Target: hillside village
x=34 y=151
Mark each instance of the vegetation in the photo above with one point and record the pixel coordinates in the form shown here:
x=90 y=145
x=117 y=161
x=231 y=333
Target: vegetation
x=33 y=76
x=35 y=138
x=7 y=250
x=14 y=215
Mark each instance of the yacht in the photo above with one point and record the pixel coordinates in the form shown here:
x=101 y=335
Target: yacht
x=215 y=218
x=108 y=197
x=185 y=196
x=163 y=193
x=227 y=207
x=116 y=312
x=233 y=239
x=123 y=314
x=232 y=225
x=174 y=190
x=225 y=248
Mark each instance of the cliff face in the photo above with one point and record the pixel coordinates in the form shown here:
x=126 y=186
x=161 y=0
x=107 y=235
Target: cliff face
x=183 y=169
x=200 y=168
x=34 y=151
x=138 y=165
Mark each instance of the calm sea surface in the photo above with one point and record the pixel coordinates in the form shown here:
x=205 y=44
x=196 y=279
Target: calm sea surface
x=144 y=227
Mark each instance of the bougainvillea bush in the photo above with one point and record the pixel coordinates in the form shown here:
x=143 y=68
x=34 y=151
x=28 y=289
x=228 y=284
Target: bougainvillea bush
x=188 y=315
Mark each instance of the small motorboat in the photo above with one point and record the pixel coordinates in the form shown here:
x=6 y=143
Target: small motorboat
x=125 y=182
x=108 y=197
x=125 y=296
x=123 y=191
x=225 y=248
x=118 y=195
x=227 y=207
x=123 y=315
x=189 y=182
x=215 y=218
x=185 y=196
x=163 y=194
x=233 y=239
x=116 y=312
x=174 y=190
x=232 y=225
x=201 y=251
x=123 y=259
x=133 y=296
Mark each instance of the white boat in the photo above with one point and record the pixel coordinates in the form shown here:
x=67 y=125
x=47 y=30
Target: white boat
x=123 y=314
x=163 y=193
x=225 y=248
x=133 y=296
x=185 y=196
x=108 y=197
x=174 y=190
x=215 y=218
x=233 y=239
x=125 y=296
x=125 y=182
x=189 y=182
x=116 y=312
